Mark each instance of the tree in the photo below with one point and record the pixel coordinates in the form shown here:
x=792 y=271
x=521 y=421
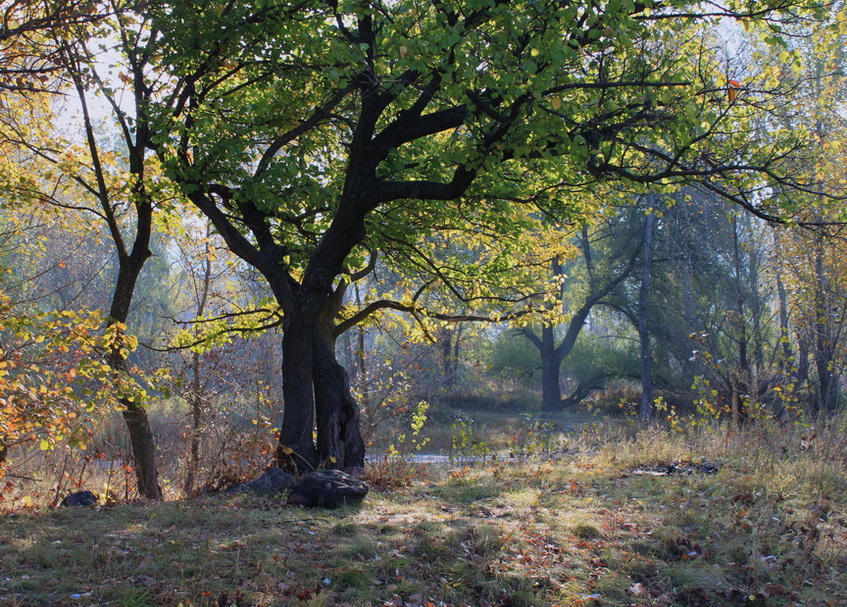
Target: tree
x=645 y=408
x=116 y=183
x=312 y=133
x=603 y=262
x=811 y=263
x=52 y=377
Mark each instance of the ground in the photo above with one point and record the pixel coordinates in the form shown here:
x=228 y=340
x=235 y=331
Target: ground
x=599 y=521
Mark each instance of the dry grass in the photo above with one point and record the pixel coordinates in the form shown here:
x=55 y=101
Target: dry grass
x=583 y=528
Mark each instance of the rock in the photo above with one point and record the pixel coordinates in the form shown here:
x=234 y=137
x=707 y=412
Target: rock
x=273 y=480
x=681 y=467
x=80 y=499
x=328 y=489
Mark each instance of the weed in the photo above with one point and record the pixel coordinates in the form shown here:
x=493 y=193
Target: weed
x=534 y=437
x=466 y=442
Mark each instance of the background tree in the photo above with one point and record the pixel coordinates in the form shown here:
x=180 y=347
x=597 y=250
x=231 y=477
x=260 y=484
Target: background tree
x=605 y=259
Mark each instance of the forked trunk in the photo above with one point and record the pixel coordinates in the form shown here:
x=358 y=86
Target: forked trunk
x=316 y=389
x=314 y=385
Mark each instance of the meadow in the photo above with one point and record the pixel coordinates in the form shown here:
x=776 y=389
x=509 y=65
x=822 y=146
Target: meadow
x=603 y=515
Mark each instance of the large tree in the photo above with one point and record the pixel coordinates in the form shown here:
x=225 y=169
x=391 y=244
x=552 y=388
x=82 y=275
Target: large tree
x=314 y=133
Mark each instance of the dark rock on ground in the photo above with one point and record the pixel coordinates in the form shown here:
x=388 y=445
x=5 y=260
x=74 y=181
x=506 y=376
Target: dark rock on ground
x=681 y=467
x=328 y=489
x=80 y=499
x=273 y=480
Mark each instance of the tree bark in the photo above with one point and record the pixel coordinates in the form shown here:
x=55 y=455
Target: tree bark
x=196 y=424
x=824 y=342
x=688 y=311
x=551 y=388
x=196 y=380
x=340 y=444
x=308 y=358
x=296 y=451
x=135 y=417
x=742 y=383
x=143 y=450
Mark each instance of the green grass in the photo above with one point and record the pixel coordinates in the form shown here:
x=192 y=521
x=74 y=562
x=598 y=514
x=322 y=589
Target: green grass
x=583 y=528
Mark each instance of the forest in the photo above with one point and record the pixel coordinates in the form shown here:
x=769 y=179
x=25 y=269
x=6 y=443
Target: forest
x=555 y=285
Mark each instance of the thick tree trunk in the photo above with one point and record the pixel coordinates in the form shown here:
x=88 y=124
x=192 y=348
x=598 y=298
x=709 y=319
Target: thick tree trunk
x=297 y=452
x=340 y=444
x=315 y=376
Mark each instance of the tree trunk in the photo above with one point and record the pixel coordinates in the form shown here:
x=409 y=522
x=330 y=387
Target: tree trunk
x=737 y=412
x=296 y=451
x=645 y=409
x=824 y=340
x=130 y=263
x=742 y=384
x=551 y=388
x=135 y=417
x=312 y=374
x=196 y=380
x=785 y=343
x=143 y=450
x=196 y=424
x=449 y=360
x=340 y=444
x=688 y=365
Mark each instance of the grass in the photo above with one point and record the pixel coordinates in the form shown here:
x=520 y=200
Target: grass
x=584 y=528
